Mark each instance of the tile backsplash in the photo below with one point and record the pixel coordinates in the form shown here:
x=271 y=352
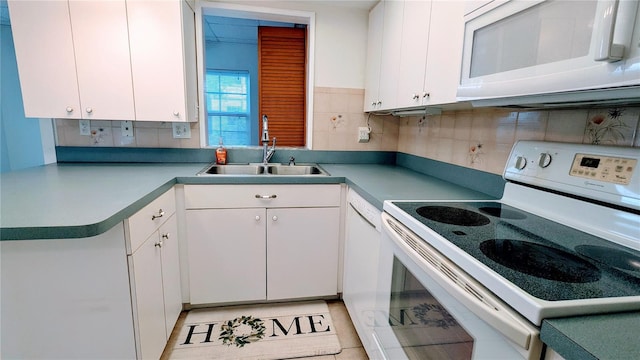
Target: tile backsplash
x=476 y=138
x=482 y=138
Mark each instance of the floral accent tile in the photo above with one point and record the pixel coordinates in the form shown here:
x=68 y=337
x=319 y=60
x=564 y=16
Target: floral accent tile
x=613 y=126
x=475 y=152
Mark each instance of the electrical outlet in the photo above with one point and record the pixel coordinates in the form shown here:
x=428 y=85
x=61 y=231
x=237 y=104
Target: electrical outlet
x=363 y=134
x=85 y=127
x=181 y=130
x=127 y=128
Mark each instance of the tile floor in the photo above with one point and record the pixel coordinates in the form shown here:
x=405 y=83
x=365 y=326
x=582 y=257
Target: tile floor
x=351 y=346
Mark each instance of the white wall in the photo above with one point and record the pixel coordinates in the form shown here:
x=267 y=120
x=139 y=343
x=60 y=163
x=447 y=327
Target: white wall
x=341 y=39
x=24 y=142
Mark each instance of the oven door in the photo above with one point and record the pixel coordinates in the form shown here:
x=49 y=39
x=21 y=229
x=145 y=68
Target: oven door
x=432 y=309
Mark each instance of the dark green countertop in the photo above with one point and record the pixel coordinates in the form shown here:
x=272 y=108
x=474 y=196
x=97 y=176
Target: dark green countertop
x=607 y=336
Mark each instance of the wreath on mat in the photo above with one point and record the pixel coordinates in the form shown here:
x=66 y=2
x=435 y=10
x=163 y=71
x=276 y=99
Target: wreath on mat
x=228 y=334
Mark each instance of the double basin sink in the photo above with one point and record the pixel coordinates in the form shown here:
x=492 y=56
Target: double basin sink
x=262 y=169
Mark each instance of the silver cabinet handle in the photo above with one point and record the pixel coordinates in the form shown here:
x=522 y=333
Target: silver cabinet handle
x=160 y=214
x=89 y=110
x=69 y=109
x=273 y=196
x=274 y=218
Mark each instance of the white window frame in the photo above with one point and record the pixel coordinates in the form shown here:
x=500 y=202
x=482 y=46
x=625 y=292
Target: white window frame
x=256 y=13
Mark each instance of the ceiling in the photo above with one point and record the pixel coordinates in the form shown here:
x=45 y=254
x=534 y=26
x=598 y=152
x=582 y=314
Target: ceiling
x=234 y=30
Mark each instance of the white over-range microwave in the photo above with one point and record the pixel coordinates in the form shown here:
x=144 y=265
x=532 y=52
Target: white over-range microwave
x=551 y=52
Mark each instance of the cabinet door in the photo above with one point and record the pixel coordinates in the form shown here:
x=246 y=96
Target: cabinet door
x=444 y=55
x=149 y=298
x=413 y=53
x=170 y=273
x=158 y=57
x=101 y=44
x=227 y=255
x=302 y=252
x=390 y=61
x=46 y=63
x=374 y=55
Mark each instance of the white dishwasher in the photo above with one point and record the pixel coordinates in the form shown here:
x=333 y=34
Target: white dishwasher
x=361 y=253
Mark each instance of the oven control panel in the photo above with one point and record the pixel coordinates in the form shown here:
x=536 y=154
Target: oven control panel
x=604 y=173
x=611 y=169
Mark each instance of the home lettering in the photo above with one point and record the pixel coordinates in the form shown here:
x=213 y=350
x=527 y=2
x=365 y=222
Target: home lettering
x=314 y=321
x=192 y=332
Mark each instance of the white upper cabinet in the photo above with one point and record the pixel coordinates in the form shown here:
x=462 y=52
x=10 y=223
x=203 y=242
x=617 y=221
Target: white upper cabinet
x=101 y=48
x=391 y=45
x=444 y=56
x=419 y=54
x=161 y=37
x=374 y=55
x=105 y=59
x=383 y=55
x=49 y=88
x=413 y=53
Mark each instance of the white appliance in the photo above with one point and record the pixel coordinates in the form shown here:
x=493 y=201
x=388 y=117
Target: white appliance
x=360 y=283
x=551 y=53
x=562 y=241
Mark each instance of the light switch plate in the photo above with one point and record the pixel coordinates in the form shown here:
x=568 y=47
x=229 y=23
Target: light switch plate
x=127 y=128
x=363 y=134
x=85 y=127
x=181 y=130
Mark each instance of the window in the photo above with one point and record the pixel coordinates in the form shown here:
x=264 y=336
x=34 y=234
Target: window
x=228 y=40
x=227 y=96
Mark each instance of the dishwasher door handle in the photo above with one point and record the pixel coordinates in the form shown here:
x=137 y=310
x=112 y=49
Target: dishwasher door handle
x=362 y=216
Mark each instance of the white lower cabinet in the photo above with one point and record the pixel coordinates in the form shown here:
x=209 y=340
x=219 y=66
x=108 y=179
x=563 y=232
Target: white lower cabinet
x=302 y=252
x=227 y=255
x=154 y=268
x=255 y=244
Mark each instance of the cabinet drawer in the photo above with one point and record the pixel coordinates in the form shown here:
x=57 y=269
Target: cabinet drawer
x=143 y=223
x=269 y=196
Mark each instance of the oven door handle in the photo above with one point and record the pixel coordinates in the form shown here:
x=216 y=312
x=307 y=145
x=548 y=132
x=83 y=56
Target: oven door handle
x=468 y=291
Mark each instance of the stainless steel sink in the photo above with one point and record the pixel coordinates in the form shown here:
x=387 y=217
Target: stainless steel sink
x=261 y=169
x=301 y=169
x=246 y=169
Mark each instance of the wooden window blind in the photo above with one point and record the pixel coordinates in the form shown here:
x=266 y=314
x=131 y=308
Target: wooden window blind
x=282 y=83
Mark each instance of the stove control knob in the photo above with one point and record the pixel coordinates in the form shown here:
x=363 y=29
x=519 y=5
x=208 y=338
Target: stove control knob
x=544 y=160
x=521 y=162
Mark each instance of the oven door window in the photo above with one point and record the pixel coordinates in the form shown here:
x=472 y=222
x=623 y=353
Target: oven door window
x=423 y=326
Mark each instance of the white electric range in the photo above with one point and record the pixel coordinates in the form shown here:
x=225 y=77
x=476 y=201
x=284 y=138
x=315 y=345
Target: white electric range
x=564 y=240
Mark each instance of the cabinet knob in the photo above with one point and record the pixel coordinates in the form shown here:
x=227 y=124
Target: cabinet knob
x=158 y=244
x=160 y=214
x=274 y=218
x=379 y=102
x=373 y=103
x=257 y=218
x=176 y=113
x=426 y=94
x=69 y=109
x=415 y=97
x=89 y=110
x=166 y=236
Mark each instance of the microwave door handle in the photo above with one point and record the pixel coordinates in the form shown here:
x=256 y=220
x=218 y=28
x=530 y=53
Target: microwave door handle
x=606 y=50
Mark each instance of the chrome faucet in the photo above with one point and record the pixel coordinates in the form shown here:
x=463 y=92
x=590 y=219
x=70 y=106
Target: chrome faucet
x=266 y=152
